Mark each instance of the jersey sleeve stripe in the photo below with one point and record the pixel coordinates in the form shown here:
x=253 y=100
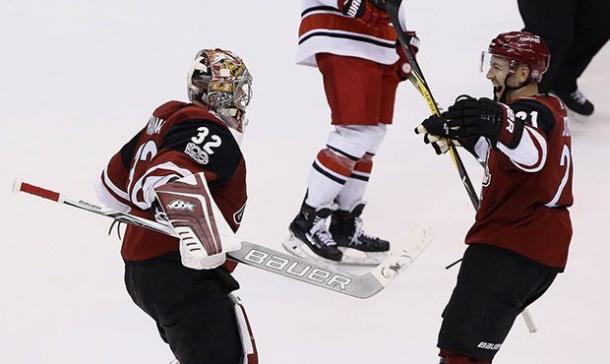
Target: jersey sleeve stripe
x=113 y=187
x=108 y=198
x=152 y=182
x=159 y=170
x=531 y=152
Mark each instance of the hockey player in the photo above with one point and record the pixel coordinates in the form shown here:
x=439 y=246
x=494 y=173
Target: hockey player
x=185 y=168
x=520 y=238
x=354 y=46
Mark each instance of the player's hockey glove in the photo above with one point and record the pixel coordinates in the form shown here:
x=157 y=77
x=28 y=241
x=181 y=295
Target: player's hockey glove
x=469 y=117
x=370 y=12
x=483 y=117
x=402 y=66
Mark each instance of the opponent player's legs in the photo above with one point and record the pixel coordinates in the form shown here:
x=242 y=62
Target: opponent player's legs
x=353 y=89
x=346 y=224
x=192 y=308
x=337 y=178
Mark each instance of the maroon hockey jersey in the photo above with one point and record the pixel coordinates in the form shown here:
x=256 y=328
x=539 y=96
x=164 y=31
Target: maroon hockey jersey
x=524 y=207
x=180 y=139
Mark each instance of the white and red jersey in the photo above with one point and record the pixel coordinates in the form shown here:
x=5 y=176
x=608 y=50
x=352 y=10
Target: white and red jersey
x=325 y=29
x=527 y=189
x=179 y=140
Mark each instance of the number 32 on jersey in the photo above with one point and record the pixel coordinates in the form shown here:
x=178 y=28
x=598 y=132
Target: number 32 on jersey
x=202 y=145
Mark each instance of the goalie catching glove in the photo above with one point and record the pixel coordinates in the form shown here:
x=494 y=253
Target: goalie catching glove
x=468 y=118
x=205 y=236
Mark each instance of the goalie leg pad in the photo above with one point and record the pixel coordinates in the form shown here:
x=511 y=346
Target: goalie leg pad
x=245 y=332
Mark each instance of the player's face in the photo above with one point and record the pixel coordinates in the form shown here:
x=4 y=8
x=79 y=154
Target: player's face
x=497 y=73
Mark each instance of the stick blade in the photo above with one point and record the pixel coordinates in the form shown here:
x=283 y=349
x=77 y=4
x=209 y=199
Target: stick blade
x=418 y=240
x=529 y=321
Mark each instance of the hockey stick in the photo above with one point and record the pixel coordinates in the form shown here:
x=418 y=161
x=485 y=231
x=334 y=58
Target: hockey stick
x=360 y=286
x=417 y=79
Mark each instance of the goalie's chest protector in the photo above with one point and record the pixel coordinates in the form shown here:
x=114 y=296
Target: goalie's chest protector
x=229 y=192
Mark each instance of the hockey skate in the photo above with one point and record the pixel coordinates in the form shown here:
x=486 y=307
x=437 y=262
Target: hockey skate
x=309 y=236
x=357 y=246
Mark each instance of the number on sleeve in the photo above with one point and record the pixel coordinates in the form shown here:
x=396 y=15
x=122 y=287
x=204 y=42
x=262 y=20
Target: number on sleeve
x=565 y=161
x=215 y=140
x=200 y=137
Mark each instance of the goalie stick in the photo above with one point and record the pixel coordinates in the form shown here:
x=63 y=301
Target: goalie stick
x=257 y=256
x=417 y=79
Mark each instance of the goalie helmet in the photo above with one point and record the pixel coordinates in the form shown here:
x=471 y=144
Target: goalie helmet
x=220 y=80
x=522 y=48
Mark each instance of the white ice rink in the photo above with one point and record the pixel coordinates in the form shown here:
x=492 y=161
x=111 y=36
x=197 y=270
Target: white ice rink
x=79 y=78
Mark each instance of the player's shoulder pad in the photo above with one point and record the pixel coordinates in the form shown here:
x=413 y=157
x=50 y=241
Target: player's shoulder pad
x=208 y=142
x=192 y=112
x=175 y=112
x=533 y=112
x=169 y=108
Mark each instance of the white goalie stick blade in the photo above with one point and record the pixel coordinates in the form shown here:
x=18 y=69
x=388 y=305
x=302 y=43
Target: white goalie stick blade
x=360 y=286
x=418 y=240
x=357 y=257
x=350 y=256
x=326 y=276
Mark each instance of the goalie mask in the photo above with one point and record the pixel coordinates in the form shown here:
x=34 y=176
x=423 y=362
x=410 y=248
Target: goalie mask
x=220 y=80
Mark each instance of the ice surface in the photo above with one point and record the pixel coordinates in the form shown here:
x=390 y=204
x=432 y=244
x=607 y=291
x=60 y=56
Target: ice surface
x=79 y=78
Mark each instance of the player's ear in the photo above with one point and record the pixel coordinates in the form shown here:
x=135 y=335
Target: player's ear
x=522 y=74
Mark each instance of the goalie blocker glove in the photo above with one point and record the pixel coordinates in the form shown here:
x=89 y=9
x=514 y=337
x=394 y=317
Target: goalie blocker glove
x=469 y=117
x=205 y=236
